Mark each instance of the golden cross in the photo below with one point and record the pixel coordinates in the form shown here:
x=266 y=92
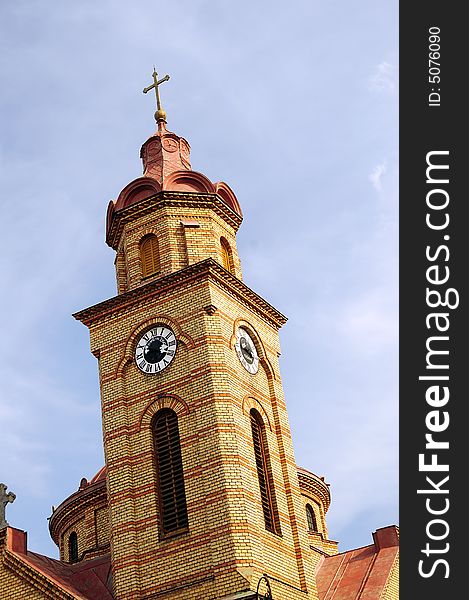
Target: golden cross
x=160 y=113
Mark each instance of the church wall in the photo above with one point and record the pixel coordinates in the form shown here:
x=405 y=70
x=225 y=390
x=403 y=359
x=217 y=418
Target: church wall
x=122 y=283
x=283 y=556
x=185 y=236
x=391 y=591
x=319 y=539
x=92 y=531
x=318 y=542
x=79 y=527
x=315 y=493
x=101 y=518
x=133 y=505
x=85 y=513
x=227 y=543
x=13 y=587
x=319 y=512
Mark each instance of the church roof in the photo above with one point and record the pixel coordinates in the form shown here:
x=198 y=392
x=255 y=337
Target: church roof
x=87 y=580
x=166 y=167
x=100 y=475
x=360 y=573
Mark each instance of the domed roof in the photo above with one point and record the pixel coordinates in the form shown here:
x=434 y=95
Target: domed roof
x=167 y=167
x=100 y=475
x=89 y=496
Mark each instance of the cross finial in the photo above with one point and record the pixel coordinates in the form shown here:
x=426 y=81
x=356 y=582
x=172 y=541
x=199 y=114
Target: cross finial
x=160 y=115
x=4 y=500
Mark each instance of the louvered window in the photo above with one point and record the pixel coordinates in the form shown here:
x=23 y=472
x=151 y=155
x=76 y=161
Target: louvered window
x=73 y=547
x=311 y=518
x=269 y=506
x=170 y=478
x=149 y=255
x=227 y=258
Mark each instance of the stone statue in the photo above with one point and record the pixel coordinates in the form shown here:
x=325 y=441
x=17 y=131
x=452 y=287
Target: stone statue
x=5 y=498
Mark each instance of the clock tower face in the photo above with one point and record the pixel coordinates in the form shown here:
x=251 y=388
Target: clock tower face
x=246 y=351
x=155 y=349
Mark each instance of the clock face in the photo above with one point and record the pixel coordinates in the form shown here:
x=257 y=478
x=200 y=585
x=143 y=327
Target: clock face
x=246 y=351
x=155 y=349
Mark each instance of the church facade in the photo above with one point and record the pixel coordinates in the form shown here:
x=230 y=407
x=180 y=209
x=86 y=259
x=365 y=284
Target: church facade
x=200 y=496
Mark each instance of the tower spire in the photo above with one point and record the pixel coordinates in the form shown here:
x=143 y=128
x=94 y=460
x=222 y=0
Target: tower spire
x=160 y=114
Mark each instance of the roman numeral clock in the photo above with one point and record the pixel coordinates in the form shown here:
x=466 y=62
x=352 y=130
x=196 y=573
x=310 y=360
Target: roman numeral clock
x=246 y=351
x=155 y=349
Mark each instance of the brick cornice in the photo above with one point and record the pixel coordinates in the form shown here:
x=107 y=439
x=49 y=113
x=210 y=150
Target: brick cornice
x=46 y=585
x=168 y=198
x=315 y=485
x=66 y=511
x=208 y=269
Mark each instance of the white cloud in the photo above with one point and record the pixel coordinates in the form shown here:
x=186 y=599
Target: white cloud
x=376 y=176
x=384 y=78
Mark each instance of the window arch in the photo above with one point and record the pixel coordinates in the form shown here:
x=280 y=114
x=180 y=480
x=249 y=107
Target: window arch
x=73 y=547
x=149 y=255
x=264 y=472
x=311 y=518
x=226 y=255
x=170 y=477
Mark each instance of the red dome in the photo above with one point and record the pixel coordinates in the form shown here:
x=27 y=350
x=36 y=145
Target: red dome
x=100 y=475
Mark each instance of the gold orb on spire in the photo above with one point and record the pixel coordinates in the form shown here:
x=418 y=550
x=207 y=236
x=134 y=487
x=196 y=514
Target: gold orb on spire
x=160 y=114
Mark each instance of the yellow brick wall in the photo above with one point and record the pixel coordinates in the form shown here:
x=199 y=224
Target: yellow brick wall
x=90 y=521
x=391 y=591
x=185 y=236
x=283 y=557
x=13 y=587
x=227 y=543
x=17 y=580
x=79 y=527
x=318 y=513
x=102 y=526
x=227 y=548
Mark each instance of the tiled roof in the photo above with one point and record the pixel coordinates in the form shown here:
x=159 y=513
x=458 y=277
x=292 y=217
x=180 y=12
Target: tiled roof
x=87 y=580
x=362 y=573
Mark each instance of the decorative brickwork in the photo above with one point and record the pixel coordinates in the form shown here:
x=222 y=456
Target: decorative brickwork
x=80 y=513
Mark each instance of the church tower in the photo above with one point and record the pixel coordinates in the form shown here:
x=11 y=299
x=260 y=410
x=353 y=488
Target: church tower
x=200 y=496
x=203 y=490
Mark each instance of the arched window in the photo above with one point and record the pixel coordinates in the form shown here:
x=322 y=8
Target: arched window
x=264 y=474
x=311 y=518
x=227 y=256
x=73 y=547
x=149 y=255
x=170 y=478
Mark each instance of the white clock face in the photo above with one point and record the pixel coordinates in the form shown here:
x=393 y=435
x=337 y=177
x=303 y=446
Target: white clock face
x=246 y=351
x=155 y=349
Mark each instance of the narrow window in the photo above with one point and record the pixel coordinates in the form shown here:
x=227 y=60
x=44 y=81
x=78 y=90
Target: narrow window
x=73 y=547
x=227 y=257
x=264 y=475
x=121 y=274
x=311 y=518
x=170 y=478
x=149 y=255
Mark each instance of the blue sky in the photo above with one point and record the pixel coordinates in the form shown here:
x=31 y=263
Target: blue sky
x=294 y=105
